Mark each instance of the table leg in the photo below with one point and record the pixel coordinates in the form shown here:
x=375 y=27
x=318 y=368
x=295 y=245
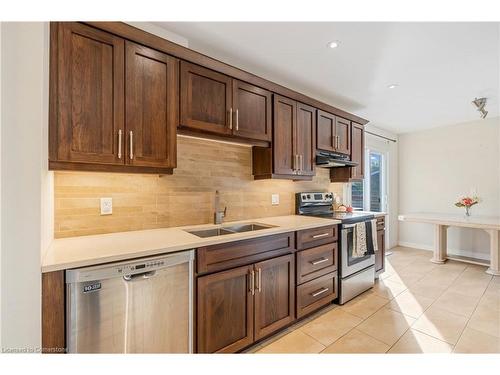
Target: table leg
x=494 y=268
x=440 y=244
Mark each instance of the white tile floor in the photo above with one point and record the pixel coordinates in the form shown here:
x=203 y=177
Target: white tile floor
x=415 y=307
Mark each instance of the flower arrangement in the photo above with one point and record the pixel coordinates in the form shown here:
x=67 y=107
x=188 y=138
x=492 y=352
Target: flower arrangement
x=467 y=202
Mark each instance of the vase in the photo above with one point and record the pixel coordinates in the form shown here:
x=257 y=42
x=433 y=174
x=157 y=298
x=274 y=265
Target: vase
x=467 y=210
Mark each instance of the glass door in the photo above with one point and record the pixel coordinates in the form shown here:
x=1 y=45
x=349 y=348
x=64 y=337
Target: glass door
x=371 y=193
x=376 y=188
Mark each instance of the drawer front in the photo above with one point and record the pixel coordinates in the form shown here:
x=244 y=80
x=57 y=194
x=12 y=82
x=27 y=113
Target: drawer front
x=316 y=293
x=239 y=253
x=317 y=261
x=380 y=223
x=314 y=237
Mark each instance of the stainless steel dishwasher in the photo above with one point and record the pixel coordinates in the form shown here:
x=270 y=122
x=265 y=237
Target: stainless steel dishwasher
x=139 y=306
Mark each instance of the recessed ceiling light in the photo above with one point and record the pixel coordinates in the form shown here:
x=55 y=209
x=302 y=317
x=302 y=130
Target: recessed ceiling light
x=333 y=44
x=392 y=86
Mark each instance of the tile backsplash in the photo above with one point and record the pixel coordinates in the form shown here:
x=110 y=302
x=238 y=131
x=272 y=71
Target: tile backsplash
x=143 y=201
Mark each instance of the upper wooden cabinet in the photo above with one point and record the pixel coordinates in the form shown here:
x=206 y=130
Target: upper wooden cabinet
x=206 y=99
x=305 y=139
x=151 y=107
x=293 y=145
x=215 y=103
x=333 y=133
x=358 y=151
x=252 y=111
x=86 y=95
x=348 y=174
x=91 y=94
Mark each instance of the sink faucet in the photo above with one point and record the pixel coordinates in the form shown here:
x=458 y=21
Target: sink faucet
x=218 y=215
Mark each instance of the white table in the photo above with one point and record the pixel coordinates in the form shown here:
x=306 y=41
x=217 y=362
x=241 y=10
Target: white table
x=441 y=222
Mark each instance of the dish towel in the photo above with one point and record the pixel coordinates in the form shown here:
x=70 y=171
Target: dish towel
x=359 y=247
x=374 y=235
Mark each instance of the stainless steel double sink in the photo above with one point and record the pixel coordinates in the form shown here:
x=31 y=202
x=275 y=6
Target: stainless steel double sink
x=232 y=229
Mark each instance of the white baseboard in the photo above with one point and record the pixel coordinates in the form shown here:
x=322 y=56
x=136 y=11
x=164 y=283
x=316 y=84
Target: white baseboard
x=461 y=252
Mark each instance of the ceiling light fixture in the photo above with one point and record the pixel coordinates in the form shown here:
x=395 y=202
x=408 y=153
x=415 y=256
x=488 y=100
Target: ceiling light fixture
x=333 y=44
x=480 y=103
x=392 y=86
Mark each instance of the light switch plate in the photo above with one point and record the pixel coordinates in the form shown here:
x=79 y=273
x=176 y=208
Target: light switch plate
x=275 y=199
x=106 y=206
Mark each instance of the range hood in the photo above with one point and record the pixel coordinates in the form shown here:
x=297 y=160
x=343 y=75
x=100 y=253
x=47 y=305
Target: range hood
x=326 y=159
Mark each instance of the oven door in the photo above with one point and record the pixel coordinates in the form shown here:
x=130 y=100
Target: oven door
x=350 y=265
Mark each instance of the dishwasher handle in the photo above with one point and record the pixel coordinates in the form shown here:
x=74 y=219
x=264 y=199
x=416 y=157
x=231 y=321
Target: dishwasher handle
x=143 y=275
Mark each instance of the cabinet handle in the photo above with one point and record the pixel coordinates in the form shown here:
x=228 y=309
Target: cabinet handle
x=131 y=145
x=294 y=166
x=252 y=282
x=119 y=143
x=319 y=261
x=259 y=280
x=301 y=162
x=231 y=118
x=321 y=235
x=237 y=120
x=337 y=142
x=319 y=292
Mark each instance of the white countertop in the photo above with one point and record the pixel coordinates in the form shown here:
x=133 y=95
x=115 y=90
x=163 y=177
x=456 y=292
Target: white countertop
x=83 y=251
x=480 y=222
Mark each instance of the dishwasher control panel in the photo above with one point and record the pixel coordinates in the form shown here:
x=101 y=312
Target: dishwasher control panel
x=127 y=268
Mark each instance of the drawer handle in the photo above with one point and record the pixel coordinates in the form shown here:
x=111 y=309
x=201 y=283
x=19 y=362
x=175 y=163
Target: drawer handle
x=321 y=235
x=319 y=292
x=319 y=261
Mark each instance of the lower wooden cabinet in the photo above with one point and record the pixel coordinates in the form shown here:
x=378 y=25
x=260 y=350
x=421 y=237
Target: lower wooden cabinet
x=274 y=295
x=316 y=293
x=242 y=305
x=380 y=254
x=225 y=310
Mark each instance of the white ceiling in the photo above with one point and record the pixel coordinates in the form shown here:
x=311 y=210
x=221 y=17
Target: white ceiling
x=440 y=67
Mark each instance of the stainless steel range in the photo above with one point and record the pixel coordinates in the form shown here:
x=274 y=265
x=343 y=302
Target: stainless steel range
x=356 y=274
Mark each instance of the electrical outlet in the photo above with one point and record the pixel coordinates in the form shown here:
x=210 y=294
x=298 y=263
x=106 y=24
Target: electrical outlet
x=106 y=206
x=275 y=199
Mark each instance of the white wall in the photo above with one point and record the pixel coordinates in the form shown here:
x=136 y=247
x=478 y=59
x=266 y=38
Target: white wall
x=23 y=116
x=438 y=165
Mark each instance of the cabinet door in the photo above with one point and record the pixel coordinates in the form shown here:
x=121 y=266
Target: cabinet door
x=89 y=96
x=225 y=311
x=285 y=112
x=380 y=254
x=206 y=99
x=305 y=140
x=151 y=107
x=343 y=134
x=358 y=151
x=325 y=131
x=252 y=111
x=274 y=294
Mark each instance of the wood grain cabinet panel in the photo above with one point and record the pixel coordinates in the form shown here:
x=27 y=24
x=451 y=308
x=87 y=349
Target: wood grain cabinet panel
x=87 y=94
x=358 y=151
x=53 y=312
x=225 y=311
x=285 y=119
x=274 y=295
x=343 y=133
x=380 y=254
x=316 y=293
x=305 y=140
x=317 y=261
x=206 y=99
x=325 y=131
x=151 y=107
x=252 y=111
